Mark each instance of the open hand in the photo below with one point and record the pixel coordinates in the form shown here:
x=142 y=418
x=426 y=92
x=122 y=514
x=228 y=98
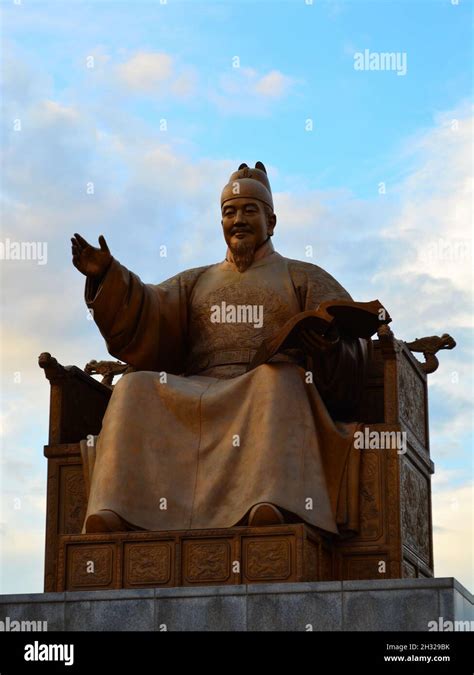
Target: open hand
x=92 y=262
x=312 y=342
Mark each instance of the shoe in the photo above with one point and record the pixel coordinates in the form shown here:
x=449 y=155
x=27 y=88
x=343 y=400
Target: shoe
x=265 y=514
x=105 y=521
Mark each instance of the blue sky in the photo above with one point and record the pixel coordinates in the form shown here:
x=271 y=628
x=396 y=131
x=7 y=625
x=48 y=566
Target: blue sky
x=407 y=243
x=313 y=44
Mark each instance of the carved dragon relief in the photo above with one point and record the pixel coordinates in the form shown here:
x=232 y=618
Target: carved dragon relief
x=108 y=370
x=54 y=371
x=428 y=346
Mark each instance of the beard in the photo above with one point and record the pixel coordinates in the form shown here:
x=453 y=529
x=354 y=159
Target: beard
x=243 y=253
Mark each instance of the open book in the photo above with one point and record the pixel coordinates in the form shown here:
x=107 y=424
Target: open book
x=351 y=319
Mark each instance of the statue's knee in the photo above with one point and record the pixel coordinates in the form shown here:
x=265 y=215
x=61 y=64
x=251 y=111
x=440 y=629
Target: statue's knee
x=134 y=381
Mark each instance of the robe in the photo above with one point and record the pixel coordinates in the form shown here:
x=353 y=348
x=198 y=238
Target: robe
x=193 y=441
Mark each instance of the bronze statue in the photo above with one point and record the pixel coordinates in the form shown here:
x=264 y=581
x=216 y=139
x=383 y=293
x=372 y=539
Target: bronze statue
x=195 y=438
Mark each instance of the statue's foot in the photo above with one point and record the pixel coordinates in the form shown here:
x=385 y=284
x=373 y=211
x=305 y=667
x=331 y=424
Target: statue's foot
x=265 y=514
x=105 y=521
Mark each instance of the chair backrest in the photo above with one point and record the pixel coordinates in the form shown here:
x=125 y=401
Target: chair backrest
x=396 y=391
x=395 y=533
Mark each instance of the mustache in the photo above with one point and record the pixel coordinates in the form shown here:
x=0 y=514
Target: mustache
x=241 y=228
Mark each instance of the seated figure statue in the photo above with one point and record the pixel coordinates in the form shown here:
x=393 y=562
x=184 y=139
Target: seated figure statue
x=195 y=439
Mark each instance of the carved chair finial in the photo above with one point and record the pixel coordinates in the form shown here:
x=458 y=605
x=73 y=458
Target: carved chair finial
x=108 y=370
x=428 y=346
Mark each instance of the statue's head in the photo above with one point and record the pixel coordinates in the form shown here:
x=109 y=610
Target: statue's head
x=248 y=219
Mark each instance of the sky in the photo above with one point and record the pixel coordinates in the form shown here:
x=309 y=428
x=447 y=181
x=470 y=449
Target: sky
x=126 y=119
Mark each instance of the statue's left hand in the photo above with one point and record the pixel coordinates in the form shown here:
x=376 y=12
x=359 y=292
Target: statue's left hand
x=313 y=342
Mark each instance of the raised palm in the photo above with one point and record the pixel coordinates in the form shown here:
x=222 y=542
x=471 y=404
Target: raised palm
x=92 y=262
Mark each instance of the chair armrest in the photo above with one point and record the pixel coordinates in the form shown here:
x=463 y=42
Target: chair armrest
x=77 y=403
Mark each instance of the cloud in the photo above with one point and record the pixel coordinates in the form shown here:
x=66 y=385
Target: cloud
x=21 y=82
x=273 y=85
x=186 y=83
x=162 y=76
x=453 y=532
x=411 y=243
x=22 y=564
x=433 y=224
x=146 y=71
x=245 y=90
x=156 y=74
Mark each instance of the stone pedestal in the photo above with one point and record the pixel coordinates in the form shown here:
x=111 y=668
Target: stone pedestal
x=384 y=605
x=238 y=555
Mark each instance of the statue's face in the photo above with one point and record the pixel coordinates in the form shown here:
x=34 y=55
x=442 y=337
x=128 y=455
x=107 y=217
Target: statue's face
x=244 y=222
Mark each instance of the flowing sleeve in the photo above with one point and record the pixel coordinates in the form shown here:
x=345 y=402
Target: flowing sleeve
x=338 y=373
x=144 y=325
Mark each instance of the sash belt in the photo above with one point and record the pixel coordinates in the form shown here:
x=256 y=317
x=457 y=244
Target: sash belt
x=229 y=357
